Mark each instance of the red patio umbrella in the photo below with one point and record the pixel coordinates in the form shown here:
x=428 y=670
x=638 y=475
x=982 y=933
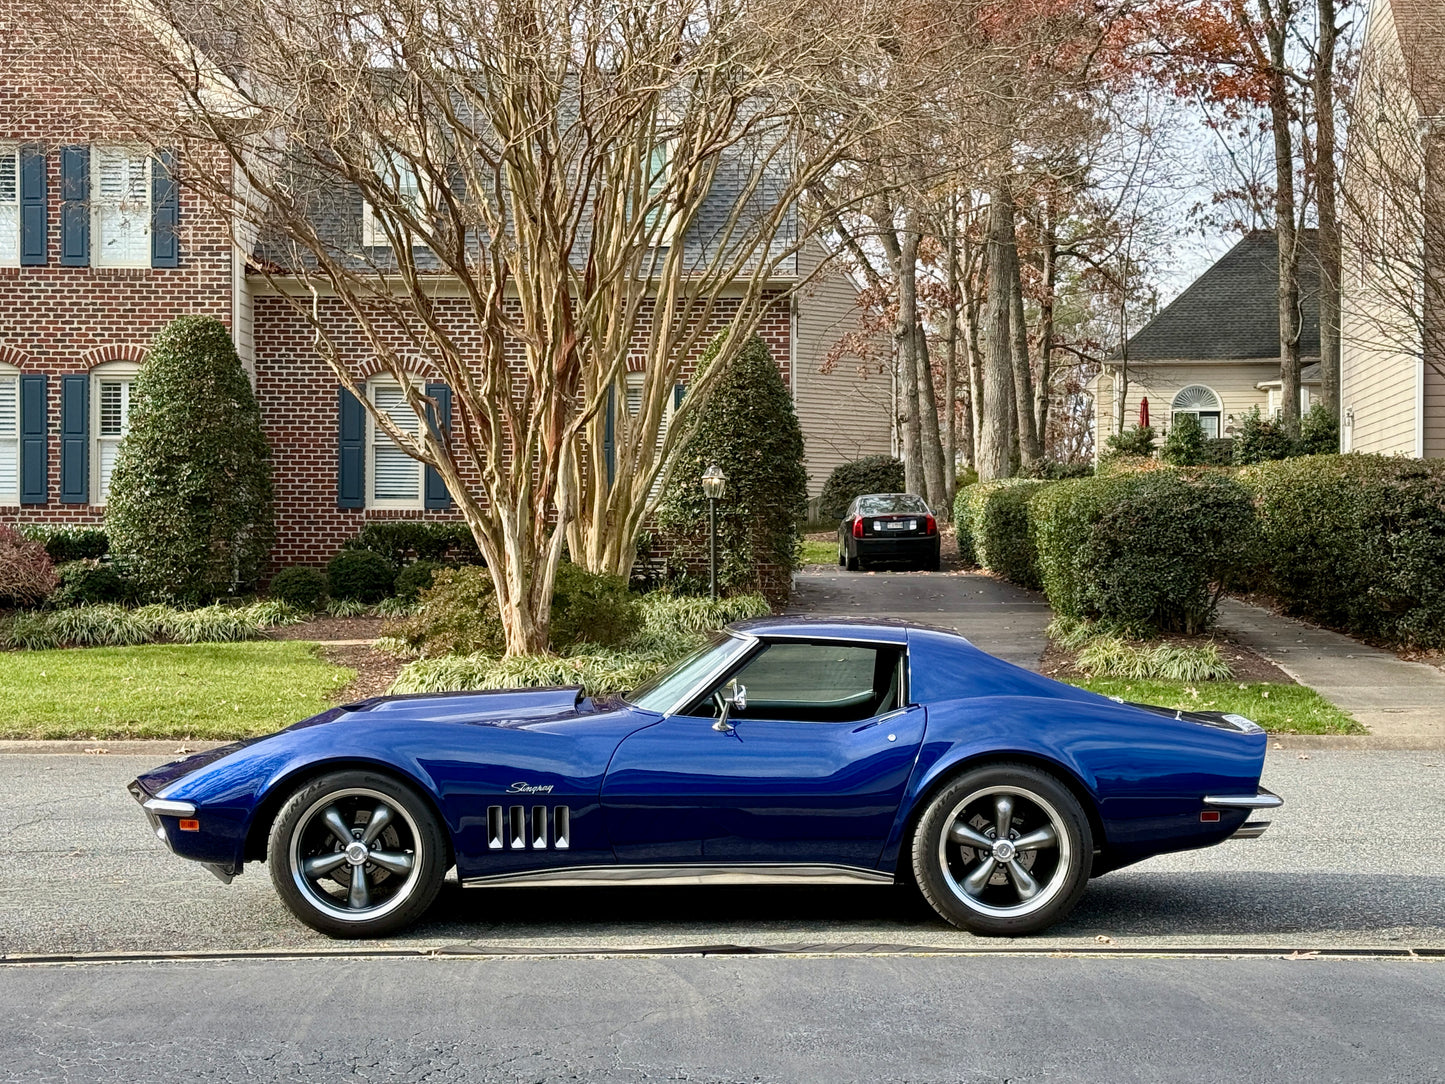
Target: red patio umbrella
x=1143 y=412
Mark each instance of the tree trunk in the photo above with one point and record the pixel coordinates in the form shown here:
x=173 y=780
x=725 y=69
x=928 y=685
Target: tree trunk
x=1327 y=181
x=950 y=358
x=1030 y=453
x=973 y=355
x=1276 y=29
x=902 y=250
x=996 y=419
x=930 y=440
x=1050 y=245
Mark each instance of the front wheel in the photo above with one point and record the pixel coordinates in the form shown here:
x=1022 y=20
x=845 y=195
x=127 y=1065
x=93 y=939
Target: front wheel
x=357 y=854
x=1003 y=850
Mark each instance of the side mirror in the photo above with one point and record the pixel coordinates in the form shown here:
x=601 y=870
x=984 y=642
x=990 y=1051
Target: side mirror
x=733 y=696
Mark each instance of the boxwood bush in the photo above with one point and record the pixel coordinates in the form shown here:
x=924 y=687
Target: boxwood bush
x=1356 y=541
x=992 y=523
x=66 y=544
x=88 y=582
x=871 y=474
x=403 y=540
x=1148 y=551
x=359 y=575
x=301 y=586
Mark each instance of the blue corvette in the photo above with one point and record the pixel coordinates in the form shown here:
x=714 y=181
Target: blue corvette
x=803 y=751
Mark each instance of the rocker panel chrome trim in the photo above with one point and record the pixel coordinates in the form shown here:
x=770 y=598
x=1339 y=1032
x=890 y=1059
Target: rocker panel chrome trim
x=581 y=876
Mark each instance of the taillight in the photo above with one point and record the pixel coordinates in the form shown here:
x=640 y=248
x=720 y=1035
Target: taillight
x=858 y=527
x=929 y=525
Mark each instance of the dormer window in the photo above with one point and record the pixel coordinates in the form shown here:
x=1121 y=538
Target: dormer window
x=398 y=173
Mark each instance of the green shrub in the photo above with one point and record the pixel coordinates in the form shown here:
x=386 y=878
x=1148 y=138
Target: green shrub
x=748 y=427
x=664 y=614
x=1184 y=445
x=1219 y=452
x=590 y=607
x=1148 y=551
x=272 y=613
x=416 y=577
x=190 y=498
x=1135 y=441
x=1319 y=432
x=66 y=544
x=87 y=582
x=458 y=615
x=359 y=575
x=992 y=524
x=871 y=474
x=27 y=577
x=598 y=673
x=403 y=540
x=1260 y=440
x=301 y=586
x=207 y=625
x=1357 y=542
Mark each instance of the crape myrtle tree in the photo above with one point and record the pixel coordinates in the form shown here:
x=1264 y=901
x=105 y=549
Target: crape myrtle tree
x=588 y=181
x=190 y=497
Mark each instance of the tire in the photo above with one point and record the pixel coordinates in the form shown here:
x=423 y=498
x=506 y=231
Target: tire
x=842 y=556
x=854 y=563
x=348 y=890
x=950 y=863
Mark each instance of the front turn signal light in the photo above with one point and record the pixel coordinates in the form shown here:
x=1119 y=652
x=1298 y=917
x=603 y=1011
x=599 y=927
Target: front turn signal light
x=189 y=825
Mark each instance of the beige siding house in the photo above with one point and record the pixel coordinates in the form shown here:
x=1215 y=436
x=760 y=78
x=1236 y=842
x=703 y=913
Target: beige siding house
x=845 y=406
x=1392 y=355
x=1213 y=351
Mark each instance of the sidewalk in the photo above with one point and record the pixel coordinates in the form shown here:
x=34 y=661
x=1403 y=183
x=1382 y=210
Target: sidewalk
x=1401 y=703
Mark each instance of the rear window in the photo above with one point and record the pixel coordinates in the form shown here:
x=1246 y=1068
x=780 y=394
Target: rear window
x=881 y=504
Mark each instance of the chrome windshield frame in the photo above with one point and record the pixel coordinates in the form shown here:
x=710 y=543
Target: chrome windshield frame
x=712 y=674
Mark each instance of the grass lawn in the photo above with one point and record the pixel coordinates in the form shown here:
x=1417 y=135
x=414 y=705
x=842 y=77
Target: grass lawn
x=199 y=691
x=1286 y=709
x=819 y=553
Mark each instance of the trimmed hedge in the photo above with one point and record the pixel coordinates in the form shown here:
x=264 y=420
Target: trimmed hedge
x=871 y=474
x=66 y=544
x=400 y=541
x=992 y=523
x=1356 y=541
x=1148 y=551
x=301 y=586
x=359 y=575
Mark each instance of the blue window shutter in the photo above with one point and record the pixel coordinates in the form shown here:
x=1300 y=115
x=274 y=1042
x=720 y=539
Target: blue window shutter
x=165 y=212
x=609 y=439
x=75 y=439
x=436 y=490
x=678 y=391
x=74 y=206
x=34 y=442
x=351 y=466
x=33 y=207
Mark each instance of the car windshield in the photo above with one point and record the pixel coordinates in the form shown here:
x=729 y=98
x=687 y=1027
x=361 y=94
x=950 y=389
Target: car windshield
x=880 y=504
x=664 y=691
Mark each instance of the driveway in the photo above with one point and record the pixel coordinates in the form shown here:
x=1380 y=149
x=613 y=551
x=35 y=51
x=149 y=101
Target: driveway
x=996 y=616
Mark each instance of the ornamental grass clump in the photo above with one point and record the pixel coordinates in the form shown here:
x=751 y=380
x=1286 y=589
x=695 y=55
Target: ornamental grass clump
x=190 y=504
x=1115 y=657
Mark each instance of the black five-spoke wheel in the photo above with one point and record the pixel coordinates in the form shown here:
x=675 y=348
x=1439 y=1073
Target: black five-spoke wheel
x=1003 y=849
x=356 y=854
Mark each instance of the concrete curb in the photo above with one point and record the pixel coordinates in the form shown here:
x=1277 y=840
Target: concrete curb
x=149 y=747
x=1368 y=743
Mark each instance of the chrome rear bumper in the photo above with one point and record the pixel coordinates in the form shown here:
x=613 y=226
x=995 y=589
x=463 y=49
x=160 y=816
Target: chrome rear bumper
x=1262 y=799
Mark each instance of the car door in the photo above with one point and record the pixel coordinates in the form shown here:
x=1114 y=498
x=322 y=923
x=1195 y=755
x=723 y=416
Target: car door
x=811 y=771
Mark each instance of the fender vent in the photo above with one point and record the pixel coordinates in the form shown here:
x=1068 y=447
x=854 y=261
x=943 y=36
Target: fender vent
x=518 y=828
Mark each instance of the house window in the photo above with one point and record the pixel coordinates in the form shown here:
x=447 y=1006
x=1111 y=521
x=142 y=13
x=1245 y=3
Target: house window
x=9 y=205
x=396 y=478
x=110 y=397
x=9 y=436
x=398 y=173
x=1204 y=405
x=120 y=196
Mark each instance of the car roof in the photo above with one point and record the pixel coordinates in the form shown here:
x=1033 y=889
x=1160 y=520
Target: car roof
x=877 y=629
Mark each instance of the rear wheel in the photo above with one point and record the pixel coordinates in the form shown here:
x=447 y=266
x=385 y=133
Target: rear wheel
x=853 y=561
x=1003 y=850
x=357 y=854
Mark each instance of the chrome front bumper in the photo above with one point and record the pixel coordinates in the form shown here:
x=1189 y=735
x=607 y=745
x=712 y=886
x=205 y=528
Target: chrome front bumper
x=1261 y=799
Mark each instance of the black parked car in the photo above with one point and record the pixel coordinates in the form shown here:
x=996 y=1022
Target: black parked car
x=888 y=527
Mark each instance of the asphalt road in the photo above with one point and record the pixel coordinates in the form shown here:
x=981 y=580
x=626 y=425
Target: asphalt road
x=1355 y=858
x=895 y=1018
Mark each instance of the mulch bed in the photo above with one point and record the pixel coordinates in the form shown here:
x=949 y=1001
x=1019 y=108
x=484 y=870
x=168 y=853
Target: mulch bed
x=326 y=628
x=1249 y=666
x=375 y=670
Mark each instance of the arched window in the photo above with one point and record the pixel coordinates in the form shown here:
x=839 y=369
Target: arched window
x=1203 y=404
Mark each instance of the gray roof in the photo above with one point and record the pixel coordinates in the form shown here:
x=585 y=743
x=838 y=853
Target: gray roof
x=1232 y=310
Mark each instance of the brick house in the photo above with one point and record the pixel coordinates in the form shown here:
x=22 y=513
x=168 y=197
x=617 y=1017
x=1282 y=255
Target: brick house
x=99 y=248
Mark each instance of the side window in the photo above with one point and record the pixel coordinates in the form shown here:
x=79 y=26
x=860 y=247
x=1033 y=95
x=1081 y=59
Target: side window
x=110 y=403
x=819 y=683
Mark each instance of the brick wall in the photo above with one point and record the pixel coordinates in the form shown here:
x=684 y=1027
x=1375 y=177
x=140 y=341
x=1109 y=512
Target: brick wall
x=62 y=320
x=298 y=397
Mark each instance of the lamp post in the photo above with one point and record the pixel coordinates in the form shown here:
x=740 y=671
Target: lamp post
x=713 y=484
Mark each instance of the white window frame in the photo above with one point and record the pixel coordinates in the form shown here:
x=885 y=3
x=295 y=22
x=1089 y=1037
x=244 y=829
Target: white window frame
x=10 y=216
x=1217 y=411
x=10 y=384
x=99 y=257
x=123 y=372
x=663 y=233
x=373 y=234
x=374 y=435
